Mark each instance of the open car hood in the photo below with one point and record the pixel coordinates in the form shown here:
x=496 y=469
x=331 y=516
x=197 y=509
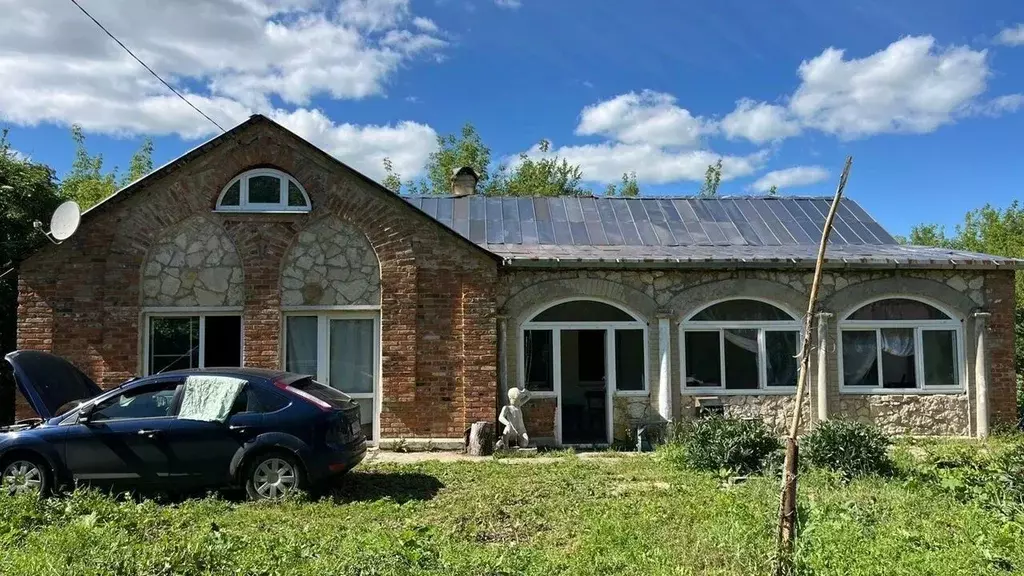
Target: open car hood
x=49 y=382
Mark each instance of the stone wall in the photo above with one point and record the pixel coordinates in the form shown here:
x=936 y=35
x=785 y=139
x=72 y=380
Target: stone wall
x=679 y=294
x=193 y=264
x=330 y=264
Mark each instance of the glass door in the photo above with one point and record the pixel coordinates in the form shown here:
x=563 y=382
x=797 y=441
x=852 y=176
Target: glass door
x=340 y=350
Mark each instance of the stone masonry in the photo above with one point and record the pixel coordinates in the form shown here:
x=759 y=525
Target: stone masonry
x=330 y=264
x=193 y=264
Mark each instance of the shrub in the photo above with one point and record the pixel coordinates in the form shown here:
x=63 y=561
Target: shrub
x=850 y=448
x=719 y=443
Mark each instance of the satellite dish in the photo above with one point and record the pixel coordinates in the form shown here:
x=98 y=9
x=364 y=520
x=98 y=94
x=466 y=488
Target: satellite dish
x=65 y=220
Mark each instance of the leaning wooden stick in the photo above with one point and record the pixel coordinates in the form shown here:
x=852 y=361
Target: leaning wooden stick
x=787 y=506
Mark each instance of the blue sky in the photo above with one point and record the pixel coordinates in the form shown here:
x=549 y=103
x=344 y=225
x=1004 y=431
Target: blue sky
x=925 y=99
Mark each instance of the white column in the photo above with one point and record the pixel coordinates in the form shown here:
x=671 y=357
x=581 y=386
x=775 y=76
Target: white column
x=822 y=390
x=502 y=361
x=665 y=368
x=981 y=373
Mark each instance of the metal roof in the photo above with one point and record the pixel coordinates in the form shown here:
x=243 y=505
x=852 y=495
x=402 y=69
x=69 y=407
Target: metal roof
x=650 y=221
x=683 y=232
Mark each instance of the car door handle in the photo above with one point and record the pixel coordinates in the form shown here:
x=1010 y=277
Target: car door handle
x=148 y=433
x=237 y=428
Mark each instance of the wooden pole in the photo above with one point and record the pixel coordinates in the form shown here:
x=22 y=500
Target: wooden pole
x=787 y=502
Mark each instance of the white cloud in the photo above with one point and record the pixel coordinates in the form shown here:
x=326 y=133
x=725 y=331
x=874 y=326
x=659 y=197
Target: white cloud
x=910 y=86
x=606 y=162
x=759 y=122
x=647 y=117
x=510 y=4
x=425 y=24
x=364 y=148
x=1000 y=105
x=1011 y=36
x=790 y=178
x=230 y=57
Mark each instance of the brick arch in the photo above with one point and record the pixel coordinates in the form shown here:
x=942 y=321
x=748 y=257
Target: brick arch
x=330 y=263
x=532 y=299
x=694 y=299
x=194 y=263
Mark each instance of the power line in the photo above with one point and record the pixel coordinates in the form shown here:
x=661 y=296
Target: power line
x=144 y=65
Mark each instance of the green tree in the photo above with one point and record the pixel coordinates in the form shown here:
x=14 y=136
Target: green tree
x=712 y=179
x=88 y=183
x=28 y=192
x=773 y=191
x=548 y=175
x=627 y=188
x=140 y=164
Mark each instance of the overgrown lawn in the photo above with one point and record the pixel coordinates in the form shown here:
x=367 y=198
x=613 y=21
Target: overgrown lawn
x=636 y=515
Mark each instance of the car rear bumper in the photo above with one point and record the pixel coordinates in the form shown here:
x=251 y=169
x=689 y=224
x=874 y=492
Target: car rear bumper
x=338 y=461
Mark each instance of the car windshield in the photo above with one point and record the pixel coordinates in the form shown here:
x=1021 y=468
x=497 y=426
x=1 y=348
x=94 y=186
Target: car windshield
x=335 y=398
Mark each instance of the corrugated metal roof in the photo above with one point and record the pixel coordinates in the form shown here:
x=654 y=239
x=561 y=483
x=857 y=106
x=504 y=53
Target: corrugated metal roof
x=651 y=221
x=683 y=232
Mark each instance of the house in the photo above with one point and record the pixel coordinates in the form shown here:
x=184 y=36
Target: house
x=258 y=248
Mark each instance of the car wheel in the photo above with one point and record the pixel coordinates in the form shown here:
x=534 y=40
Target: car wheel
x=25 y=476
x=273 y=475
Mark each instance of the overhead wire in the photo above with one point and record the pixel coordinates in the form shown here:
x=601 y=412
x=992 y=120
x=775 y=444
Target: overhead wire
x=146 y=66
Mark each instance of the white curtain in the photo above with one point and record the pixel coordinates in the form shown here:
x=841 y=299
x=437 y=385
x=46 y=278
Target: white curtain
x=898 y=342
x=860 y=352
x=300 y=356
x=351 y=355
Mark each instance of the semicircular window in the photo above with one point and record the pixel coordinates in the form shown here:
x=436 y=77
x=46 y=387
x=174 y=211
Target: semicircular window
x=898 y=309
x=741 y=310
x=583 y=311
x=263 y=190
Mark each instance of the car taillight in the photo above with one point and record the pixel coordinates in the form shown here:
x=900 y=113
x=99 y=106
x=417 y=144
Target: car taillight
x=305 y=396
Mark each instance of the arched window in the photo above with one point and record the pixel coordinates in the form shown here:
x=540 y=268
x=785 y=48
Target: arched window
x=900 y=344
x=739 y=345
x=263 y=190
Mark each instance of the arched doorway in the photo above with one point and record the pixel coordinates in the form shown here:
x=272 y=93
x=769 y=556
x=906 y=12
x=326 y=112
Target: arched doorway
x=581 y=352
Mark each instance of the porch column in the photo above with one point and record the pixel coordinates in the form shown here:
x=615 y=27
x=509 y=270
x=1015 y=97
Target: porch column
x=981 y=373
x=822 y=391
x=665 y=367
x=502 y=358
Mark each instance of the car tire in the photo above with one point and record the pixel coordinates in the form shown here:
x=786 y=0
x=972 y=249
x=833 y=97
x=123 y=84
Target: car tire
x=21 y=474
x=274 y=475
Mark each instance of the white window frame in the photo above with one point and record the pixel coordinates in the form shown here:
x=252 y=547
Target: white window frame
x=188 y=312
x=324 y=315
x=953 y=324
x=244 y=205
x=609 y=328
x=762 y=326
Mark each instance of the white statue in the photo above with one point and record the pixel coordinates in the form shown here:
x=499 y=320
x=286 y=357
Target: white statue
x=511 y=417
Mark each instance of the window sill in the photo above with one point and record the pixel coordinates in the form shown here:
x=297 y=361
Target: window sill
x=847 y=391
x=726 y=392
x=632 y=393
x=546 y=394
x=254 y=211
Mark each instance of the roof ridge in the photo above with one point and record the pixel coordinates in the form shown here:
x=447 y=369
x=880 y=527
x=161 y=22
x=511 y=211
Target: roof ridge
x=653 y=197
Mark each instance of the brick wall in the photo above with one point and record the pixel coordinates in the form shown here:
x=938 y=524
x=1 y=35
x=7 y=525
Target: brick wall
x=999 y=296
x=81 y=300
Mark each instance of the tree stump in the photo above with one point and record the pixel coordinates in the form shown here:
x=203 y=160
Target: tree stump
x=480 y=441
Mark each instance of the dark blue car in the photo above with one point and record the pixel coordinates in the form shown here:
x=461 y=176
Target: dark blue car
x=283 y=432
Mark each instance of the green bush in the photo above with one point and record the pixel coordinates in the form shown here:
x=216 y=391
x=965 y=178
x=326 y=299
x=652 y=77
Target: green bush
x=850 y=448
x=992 y=476
x=719 y=443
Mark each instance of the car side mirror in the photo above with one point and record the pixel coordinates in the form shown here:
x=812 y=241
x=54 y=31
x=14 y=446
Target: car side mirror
x=85 y=414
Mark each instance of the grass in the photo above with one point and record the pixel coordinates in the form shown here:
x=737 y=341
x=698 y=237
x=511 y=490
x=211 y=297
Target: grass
x=635 y=515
